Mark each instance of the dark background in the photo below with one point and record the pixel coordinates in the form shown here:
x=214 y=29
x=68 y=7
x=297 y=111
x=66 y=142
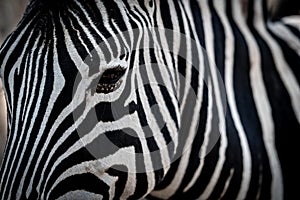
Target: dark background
x=10 y=13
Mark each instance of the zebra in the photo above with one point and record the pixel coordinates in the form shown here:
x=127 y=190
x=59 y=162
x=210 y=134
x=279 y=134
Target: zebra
x=157 y=99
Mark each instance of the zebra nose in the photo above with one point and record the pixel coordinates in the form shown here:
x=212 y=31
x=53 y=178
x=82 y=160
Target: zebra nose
x=110 y=80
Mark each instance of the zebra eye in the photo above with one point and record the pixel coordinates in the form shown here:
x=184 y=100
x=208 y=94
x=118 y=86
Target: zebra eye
x=110 y=80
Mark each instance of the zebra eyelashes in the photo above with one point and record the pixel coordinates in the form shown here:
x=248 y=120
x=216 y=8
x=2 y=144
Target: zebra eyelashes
x=110 y=80
x=107 y=88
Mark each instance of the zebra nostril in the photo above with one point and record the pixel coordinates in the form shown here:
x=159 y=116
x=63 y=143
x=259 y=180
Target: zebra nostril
x=110 y=80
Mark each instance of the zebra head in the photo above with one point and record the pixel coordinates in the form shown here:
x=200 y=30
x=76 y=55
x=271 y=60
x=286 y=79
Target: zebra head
x=111 y=99
x=94 y=92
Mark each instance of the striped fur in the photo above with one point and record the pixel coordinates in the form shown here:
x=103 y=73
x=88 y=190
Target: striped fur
x=46 y=81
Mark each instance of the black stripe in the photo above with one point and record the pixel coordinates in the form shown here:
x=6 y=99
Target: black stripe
x=72 y=27
x=249 y=117
x=196 y=11
x=194 y=160
x=294 y=30
x=122 y=179
x=68 y=69
x=12 y=164
x=283 y=116
x=234 y=161
x=41 y=112
x=165 y=15
x=87 y=182
x=290 y=55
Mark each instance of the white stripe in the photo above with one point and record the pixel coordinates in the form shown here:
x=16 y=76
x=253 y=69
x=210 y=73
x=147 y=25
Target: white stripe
x=176 y=38
x=29 y=71
x=159 y=139
x=80 y=194
x=174 y=185
x=173 y=76
x=147 y=154
x=12 y=47
x=105 y=20
x=28 y=107
x=282 y=67
x=77 y=99
x=142 y=136
x=4 y=62
x=126 y=20
x=78 y=33
x=264 y=108
x=17 y=118
x=228 y=181
x=286 y=35
x=98 y=130
x=203 y=150
x=229 y=83
x=209 y=41
x=94 y=27
x=292 y=21
x=99 y=167
x=58 y=84
x=37 y=104
x=261 y=100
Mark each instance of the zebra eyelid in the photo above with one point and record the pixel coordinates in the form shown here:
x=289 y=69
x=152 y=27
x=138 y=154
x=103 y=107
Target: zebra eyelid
x=110 y=80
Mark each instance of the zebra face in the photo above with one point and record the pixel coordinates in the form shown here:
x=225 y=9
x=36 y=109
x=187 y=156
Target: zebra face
x=104 y=99
x=95 y=95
